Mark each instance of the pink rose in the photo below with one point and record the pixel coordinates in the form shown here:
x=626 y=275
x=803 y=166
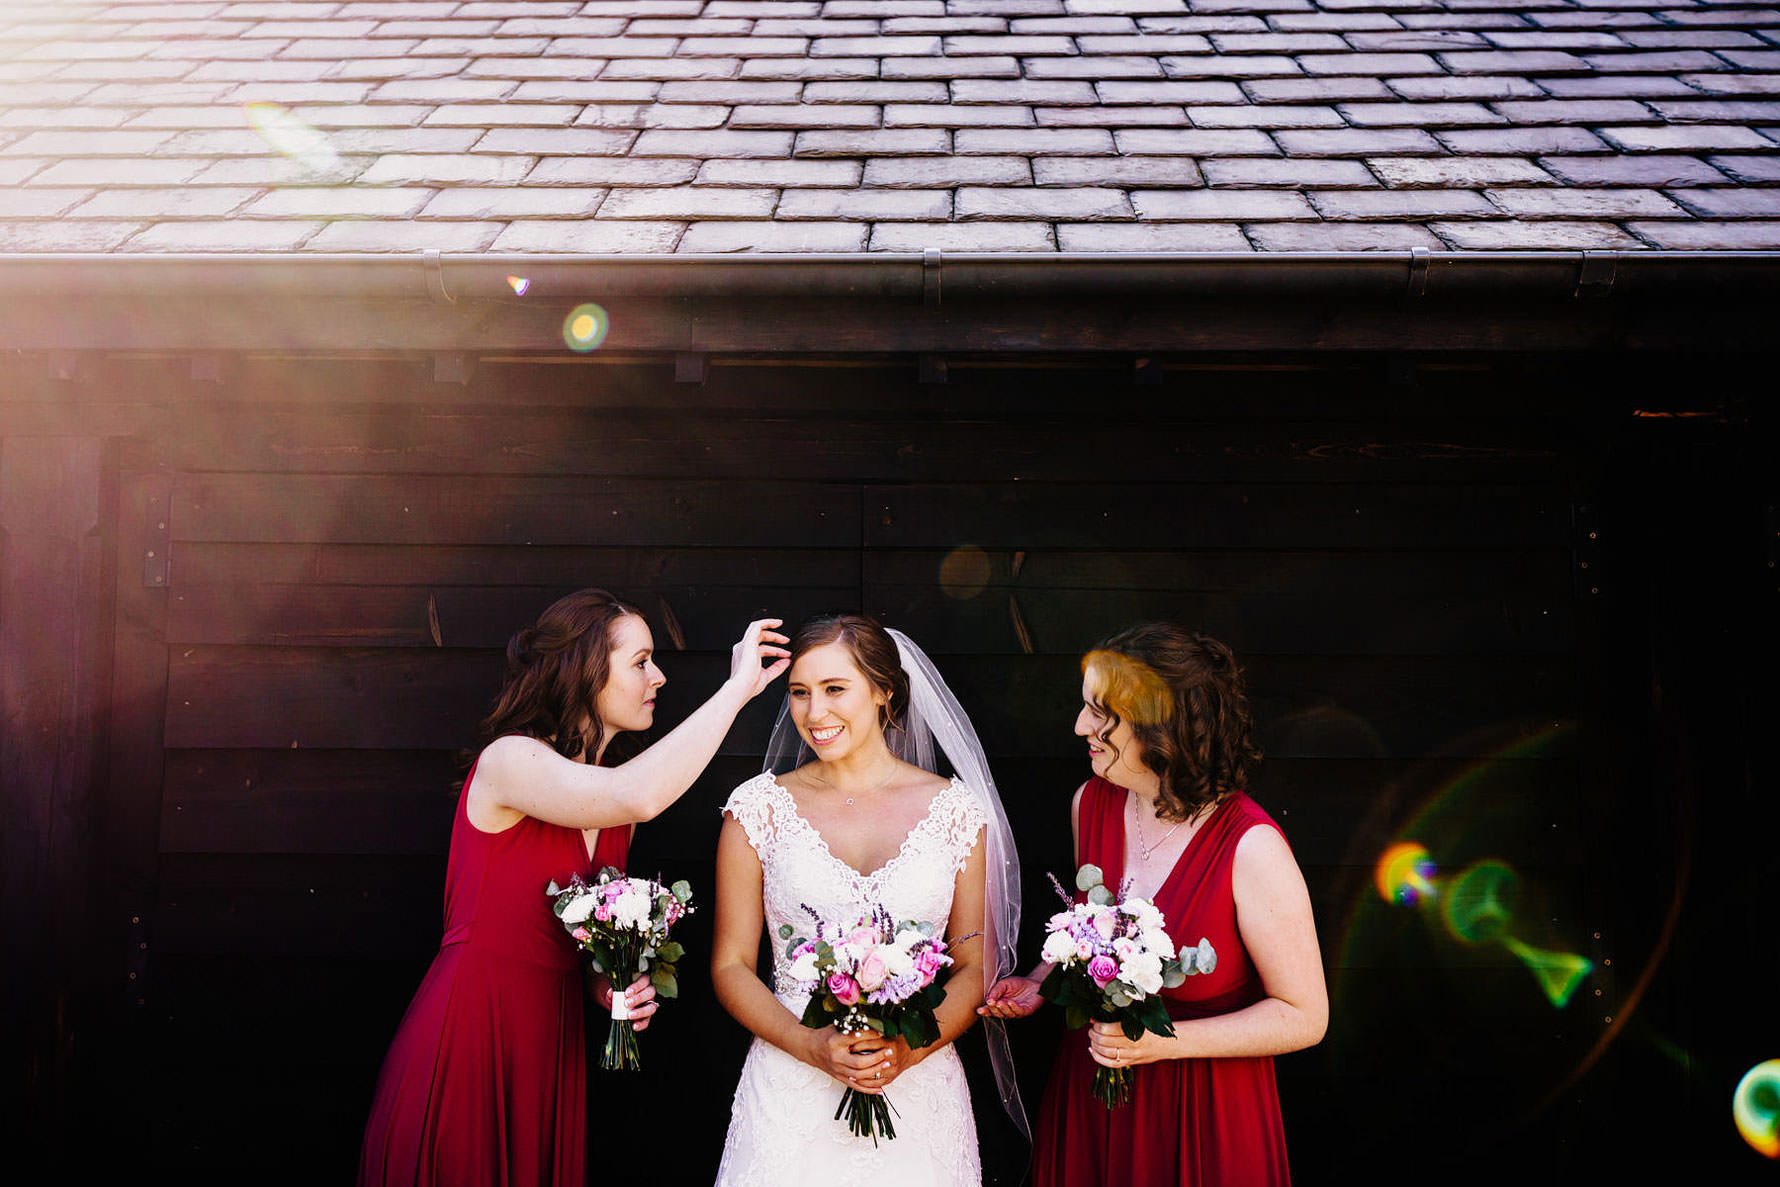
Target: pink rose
x=844 y=990
x=581 y=933
x=602 y=913
x=872 y=972
x=1083 y=950
x=928 y=963
x=1103 y=969
x=863 y=937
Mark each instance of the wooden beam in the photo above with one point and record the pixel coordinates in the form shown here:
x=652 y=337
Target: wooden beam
x=53 y=624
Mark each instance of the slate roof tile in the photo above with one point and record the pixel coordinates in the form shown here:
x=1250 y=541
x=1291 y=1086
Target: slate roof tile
x=801 y=126
x=1222 y=205
x=1151 y=237
x=783 y=237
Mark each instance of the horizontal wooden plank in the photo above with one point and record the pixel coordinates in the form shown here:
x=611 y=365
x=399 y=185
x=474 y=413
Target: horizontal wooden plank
x=1422 y=573
x=1306 y=706
x=1217 y=516
x=435 y=509
x=703 y=617
x=620 y=570
x=1315 y=620
x=967 y=444
x=323 y=802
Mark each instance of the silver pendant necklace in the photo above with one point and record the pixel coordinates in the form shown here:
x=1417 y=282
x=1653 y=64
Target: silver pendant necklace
x=1144 y=850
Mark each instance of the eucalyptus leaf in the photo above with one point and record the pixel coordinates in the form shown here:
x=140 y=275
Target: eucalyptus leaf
x=1100 y=896
x=553 y=888
x=682 y=890
x=1088 y=877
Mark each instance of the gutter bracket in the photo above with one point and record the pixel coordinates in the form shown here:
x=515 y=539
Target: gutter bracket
x=1595 y=278
x=932 y=269
x=1418 y=272
x=435 y=279
x=691 y=366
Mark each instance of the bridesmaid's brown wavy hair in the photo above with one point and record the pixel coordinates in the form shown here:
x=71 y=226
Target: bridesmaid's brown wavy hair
x=1184 y=698
x=555 y=670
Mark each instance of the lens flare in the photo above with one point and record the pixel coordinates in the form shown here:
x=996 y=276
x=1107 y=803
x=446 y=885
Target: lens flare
x=291 y=137
x=585 y=328
x=1405 y=874
x=518 y=284
x=1755 y=1106
x=1479 y=902
x=1559 y=974
x=965 y=572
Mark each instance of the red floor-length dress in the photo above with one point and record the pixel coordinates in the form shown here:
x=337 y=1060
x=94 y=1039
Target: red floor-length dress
x=485 y=1085
x=1189 y=1122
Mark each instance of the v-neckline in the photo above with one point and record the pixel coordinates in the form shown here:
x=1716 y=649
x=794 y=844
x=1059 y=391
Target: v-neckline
x=822 y=841
x=1192 y=842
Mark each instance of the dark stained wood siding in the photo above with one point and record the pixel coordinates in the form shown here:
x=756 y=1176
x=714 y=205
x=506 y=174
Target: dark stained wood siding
x=1393 y=552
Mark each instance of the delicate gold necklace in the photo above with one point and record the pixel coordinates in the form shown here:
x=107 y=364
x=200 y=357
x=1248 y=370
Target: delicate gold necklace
x=1145 y=850
x=826 y=785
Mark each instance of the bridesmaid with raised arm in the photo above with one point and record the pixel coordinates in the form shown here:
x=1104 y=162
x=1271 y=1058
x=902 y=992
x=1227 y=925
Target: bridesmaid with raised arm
x=484 y=1082
x=1166 y=815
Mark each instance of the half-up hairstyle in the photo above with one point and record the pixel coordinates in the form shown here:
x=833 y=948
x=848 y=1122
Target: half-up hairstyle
x=1183 y=696
x=874 y=654
x=555 y=671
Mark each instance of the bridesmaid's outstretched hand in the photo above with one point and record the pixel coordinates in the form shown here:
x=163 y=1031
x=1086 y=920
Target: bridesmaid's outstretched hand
x=1011 y=997
x=758 y=644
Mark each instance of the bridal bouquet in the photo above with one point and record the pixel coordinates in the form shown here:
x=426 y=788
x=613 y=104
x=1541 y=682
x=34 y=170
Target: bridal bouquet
x=1112 y=958
x=876 y=975
x=623 y=924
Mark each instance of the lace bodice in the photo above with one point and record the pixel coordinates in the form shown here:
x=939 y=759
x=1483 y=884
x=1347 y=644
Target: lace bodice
x=797 y=867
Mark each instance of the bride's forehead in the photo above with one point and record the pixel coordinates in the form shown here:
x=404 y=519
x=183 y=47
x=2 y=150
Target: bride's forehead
x=824 y=664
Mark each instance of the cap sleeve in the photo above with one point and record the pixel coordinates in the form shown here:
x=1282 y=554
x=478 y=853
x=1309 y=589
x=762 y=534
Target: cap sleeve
x=751 y=805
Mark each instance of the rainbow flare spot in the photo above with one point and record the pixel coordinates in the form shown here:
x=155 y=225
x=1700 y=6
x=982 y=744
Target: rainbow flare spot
x=585 y=328
x=1755 y=1107
x=1405 y=874
x=518 y=284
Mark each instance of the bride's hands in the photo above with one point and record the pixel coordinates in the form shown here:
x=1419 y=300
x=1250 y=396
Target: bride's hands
x=639 y=999
x=758 y=643
x=864 y=1062
x=889 y=1059
x=1011 y=997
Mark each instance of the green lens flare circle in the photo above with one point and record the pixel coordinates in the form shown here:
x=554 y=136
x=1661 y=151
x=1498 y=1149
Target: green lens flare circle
x=585 y=328
x=1479 y=903
x=1755 y=1106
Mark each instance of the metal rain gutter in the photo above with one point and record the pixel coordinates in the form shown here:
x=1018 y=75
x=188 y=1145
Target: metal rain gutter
x=923 y=277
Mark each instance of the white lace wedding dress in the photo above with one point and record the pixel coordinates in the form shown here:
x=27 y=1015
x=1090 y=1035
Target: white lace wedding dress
x=782 y=1129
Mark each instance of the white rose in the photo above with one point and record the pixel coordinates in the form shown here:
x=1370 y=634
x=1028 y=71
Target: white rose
x=1059 y=948
x=578 y=910
x=803 y=968
x=1156 y=941
x=631 y=909
x=1143 y=967
x=898 y=962
x=1146 y=981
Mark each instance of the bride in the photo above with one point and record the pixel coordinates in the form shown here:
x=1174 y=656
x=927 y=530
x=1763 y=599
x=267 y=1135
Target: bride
x=866 y=823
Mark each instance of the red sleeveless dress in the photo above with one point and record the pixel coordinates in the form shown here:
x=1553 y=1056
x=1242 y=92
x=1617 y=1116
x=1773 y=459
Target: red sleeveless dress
x=485 y=1082
x=1189 y=1122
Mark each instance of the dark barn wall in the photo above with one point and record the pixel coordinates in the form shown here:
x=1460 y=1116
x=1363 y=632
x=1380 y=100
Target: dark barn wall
x=1452 y=587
